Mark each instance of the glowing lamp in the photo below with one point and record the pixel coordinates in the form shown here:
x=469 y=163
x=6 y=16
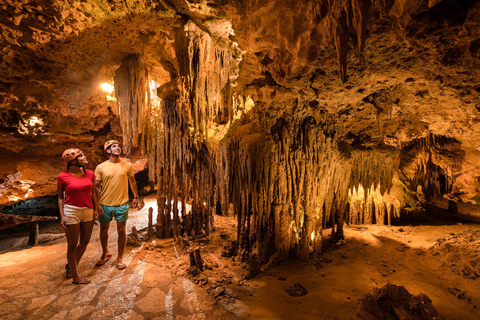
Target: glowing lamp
x=33 y=121
x=108 y=88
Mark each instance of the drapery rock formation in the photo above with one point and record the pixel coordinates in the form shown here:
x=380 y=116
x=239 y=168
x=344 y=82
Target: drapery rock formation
x=293 y=115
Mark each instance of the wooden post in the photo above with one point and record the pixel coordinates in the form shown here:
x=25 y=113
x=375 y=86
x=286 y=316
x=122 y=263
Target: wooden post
x=150 y=223
x=452 y=207
x=33 y=237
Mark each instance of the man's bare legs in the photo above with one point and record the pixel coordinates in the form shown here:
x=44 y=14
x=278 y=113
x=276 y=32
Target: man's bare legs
x=122 y=240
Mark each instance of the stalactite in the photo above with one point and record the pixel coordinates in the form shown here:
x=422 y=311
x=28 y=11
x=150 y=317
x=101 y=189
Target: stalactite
x=297 y=181
x=285 y=182
x=341 y=43
x=358 y=21
x=176 y=139
x=416 y=172
x=133 y=100
x=349 y=24
x=300 y=180
x=206 y=90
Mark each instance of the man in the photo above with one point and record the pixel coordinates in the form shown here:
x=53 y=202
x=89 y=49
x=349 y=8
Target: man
x=113 y=176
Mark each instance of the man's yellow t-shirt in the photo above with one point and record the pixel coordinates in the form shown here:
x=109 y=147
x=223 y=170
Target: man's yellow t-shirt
x=114 y=178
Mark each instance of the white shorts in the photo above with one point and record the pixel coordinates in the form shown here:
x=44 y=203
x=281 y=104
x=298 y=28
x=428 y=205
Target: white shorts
x=74 y=215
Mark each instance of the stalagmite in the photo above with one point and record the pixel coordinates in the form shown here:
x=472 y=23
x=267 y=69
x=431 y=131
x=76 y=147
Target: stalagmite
x=132 y=238
x=195 y=258
x=192 y=258
x=150 y=223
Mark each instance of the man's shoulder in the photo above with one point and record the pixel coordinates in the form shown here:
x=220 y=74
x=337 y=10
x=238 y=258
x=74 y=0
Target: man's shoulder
x=103 y=164
x=128 y=167
x=126 y=163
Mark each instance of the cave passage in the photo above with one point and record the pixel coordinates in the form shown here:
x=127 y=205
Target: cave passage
x=280 y=148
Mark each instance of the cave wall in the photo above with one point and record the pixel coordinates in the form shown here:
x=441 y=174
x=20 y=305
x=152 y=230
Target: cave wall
x=293 y=116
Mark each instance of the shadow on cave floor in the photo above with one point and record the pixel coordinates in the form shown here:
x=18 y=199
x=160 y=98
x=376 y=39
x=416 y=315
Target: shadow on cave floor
x=436 y=214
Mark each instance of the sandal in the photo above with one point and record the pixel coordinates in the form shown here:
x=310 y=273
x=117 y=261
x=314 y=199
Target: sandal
x=101 y=262
x=121 y=266
x=83 y=280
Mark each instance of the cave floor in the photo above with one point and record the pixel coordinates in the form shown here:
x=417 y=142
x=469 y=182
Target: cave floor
x=440 y=259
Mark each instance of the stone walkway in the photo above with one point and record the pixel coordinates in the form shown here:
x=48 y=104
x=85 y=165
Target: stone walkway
x=33 y=285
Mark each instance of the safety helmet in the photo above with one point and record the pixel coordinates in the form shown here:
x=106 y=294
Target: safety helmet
x=109 y=143
x=70 y=154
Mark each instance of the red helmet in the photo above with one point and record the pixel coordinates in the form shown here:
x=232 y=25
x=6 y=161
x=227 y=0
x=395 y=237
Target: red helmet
x=70 y=154
x=109 y=143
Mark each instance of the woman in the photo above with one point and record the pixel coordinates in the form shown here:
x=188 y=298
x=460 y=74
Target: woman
x=78 y=205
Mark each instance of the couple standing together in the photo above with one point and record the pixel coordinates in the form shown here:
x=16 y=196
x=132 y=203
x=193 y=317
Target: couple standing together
x=81 y=202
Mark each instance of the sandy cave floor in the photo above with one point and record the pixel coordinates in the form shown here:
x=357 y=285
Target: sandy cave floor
x=440 y=258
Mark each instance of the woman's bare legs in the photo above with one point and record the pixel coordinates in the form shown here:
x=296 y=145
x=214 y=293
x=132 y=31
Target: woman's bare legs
x=85 y=234
x=72 y=233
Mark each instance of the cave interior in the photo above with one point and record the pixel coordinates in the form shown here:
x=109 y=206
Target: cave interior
x=299 y=122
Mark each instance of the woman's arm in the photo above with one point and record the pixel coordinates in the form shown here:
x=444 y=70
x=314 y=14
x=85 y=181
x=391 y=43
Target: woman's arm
x=95 y=202
x=60 y=200
x=97 y=191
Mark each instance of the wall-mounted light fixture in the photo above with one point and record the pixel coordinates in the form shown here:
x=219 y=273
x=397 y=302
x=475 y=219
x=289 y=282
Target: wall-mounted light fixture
x=109 y=91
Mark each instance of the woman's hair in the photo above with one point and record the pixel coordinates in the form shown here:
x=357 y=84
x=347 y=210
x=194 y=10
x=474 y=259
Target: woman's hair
x=70 y=164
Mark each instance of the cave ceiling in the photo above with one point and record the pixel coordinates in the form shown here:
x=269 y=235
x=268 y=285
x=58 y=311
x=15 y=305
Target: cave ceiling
x=395 y=81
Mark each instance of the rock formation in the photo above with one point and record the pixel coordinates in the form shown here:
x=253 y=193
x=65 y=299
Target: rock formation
x=292 y=115
x=395 y=302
